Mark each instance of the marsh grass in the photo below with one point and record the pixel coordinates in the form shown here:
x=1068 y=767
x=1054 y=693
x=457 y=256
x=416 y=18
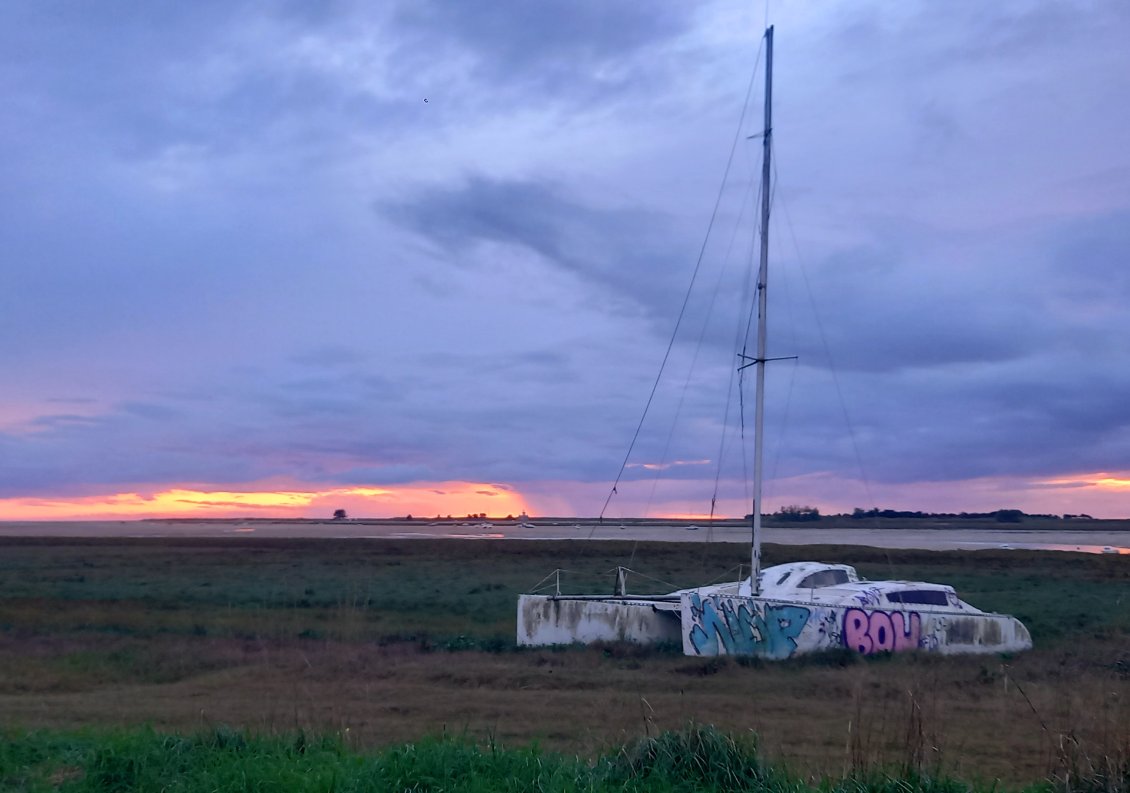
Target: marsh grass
x=393 y=641
x=696 y=755
x=365 y=590
x=692 y=759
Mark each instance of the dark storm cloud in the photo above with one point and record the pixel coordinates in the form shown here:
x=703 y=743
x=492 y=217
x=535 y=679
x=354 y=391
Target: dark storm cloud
x=1025 y=429
x=344 y=427
x=196 y=286
x=975 y=360
x=561 y=45
x=329 y=357
x=1091 y=260
x=628 y=251
x=865 y=294
x=136 y=446
x=114 y=450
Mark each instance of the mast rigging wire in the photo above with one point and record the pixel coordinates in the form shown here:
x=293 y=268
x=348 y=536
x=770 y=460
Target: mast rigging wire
x=690 y=287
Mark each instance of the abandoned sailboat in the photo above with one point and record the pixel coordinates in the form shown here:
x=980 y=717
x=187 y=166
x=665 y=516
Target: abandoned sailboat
x=787 y=609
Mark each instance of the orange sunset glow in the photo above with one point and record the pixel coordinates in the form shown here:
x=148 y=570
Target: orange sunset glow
x=703 y=516
x=419 y=498
x=1101 y=494
x=1103 y=480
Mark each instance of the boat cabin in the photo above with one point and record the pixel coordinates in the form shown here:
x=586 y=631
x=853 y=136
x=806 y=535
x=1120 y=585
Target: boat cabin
x=841 y=585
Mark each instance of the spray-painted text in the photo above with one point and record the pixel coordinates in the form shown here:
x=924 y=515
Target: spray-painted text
x=721 y=625
x=881 y=631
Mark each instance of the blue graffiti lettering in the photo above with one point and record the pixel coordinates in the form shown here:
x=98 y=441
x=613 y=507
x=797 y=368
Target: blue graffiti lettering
x=736 y=626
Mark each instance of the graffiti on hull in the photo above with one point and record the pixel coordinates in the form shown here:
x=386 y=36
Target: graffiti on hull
x=876 y=631
x=728 y=626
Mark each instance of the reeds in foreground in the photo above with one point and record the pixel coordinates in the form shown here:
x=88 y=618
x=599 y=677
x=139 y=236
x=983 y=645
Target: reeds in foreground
x=695 y=758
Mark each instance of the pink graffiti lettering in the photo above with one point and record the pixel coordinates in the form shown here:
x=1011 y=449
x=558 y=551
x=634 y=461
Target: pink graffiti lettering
x=881 y=631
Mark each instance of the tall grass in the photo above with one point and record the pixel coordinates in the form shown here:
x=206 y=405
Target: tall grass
x=369 y=589
x=397 y=639
x=694 y=759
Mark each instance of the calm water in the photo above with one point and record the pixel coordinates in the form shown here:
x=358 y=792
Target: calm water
x=929 y=539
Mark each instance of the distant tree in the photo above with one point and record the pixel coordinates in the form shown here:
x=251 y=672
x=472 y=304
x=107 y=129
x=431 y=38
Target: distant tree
x=408 y=516
x=797 y=514
x=339 y=514
x=1008 y=516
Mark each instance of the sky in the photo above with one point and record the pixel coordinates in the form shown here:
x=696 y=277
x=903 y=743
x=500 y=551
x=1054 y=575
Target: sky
x=424 y=257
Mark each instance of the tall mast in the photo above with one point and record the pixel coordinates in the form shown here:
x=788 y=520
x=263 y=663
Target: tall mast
x=762 y=280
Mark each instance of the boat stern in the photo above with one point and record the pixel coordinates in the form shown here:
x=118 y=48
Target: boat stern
x=545 y=620
x=979 y=633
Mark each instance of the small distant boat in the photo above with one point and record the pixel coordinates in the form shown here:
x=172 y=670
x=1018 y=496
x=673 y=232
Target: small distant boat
x=1109 y=549
x=785 y=610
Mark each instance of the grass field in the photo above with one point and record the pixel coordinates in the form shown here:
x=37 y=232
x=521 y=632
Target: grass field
x=697 y=758
x=377 y=643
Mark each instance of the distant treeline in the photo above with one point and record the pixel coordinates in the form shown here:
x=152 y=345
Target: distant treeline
x=1000 y=515
x=802 y=514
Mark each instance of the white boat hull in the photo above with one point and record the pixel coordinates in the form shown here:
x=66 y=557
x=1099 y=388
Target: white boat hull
x=711 y=625
x=546 y=620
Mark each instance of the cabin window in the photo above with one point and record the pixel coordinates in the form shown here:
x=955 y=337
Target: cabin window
x=823 y=578
x=927 y=597
x=783 y=579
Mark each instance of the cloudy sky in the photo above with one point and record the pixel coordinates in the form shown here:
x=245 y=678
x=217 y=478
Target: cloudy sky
x=277 y=258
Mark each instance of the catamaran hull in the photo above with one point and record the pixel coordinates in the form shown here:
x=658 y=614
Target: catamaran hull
x=714 y=625
x=545 y=620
